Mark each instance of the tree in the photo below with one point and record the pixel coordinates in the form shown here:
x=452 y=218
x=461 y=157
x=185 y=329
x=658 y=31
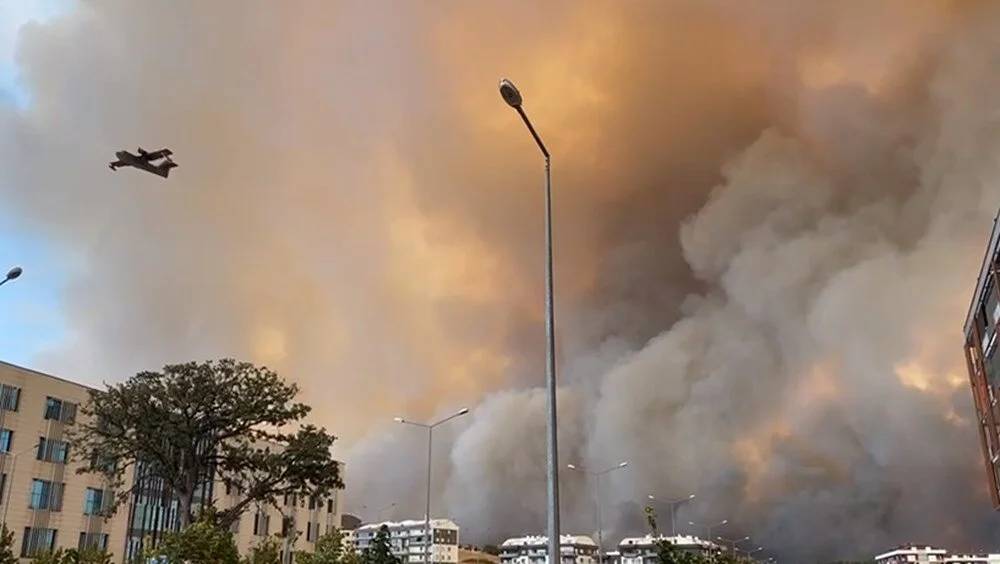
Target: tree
x=193 y=421
x=379 y=551
x=202 y=542
x=73 y=556
x=7 y=555
x=267 y=551
x=329 y=550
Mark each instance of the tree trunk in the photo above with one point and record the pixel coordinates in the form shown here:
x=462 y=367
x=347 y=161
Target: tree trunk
x=184 y=501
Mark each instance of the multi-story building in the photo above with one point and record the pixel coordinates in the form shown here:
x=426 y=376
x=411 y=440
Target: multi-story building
x=533 y=549
x=972 y=559
x=643 y=550
x=983 y=361
x=409 y=539
x=45 y=502
x=912 y=554
x=48 y=505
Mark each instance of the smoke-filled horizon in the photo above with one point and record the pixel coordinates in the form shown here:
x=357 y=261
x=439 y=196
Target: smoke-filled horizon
x=768 y=222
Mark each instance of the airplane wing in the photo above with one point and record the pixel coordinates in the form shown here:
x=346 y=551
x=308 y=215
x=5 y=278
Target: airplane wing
x=156 y=155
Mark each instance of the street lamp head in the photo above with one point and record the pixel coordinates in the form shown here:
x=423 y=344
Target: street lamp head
x=14 y=273
x=691 y=496
x=571 y=466
x=399 y=420
x=651 y=496
x=724 y=521
x=623 y=464
x=692 y=523
x=463 y=411
x=510 y=93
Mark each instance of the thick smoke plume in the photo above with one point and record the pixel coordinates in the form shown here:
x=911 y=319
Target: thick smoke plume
x=769 y=218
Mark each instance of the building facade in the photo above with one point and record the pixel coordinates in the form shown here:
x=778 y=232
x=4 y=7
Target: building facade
x=983 y=361
x=48 y=505
x=643 y=550
x=45 y=502
x=408 y=539
x=533 y=549
x=912 y=554
x=972 y=559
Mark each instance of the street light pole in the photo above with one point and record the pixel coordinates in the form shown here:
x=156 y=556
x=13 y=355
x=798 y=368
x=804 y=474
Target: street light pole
x=708 y=527
x=597 y=502
x=673 y=503
x=11 y=275
x=430 y=435
x=511 y=95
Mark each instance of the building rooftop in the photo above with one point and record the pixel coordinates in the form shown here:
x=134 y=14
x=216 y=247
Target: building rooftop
x=910 y=549
x=542 y=540
x=991 y=250
x=409 y=523
x=678 y=540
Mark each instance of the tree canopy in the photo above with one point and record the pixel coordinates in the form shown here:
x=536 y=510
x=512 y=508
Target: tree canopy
x=191 y=422
x=379 y=551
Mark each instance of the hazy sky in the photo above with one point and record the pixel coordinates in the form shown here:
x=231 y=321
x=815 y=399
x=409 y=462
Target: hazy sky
x=768 y=221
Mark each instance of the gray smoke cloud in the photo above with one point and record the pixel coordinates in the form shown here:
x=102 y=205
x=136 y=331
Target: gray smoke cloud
x=769 y=218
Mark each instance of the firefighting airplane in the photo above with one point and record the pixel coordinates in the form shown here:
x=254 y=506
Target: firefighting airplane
x=144 y=160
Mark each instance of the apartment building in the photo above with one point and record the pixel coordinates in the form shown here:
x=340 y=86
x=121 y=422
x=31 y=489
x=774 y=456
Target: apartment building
x=48 y=505
x=45 y=502
x=643 y=550
x=912 y=554
x=408 y=539
x=534 y=549
x=972 y=559
x=983 y=361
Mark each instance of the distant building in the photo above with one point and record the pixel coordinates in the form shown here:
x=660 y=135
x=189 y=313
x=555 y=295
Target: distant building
x=972 y=559
x=643 y=550
x=912 y=554
x=612 y=557
x=983 y=361
x=408 y=539
x=349 y=522
x=534 y=549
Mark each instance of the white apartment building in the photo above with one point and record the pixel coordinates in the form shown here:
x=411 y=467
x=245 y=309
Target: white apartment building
x=912 y=553
x=407 y=539
x=972 y=559
x=533 y=549
x=642 y=550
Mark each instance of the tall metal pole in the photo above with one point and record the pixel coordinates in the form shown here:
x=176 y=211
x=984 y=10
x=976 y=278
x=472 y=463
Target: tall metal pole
x=511 y=95
x=430 y=438
x=427 y=517
x=550 y=376
x=600 y=529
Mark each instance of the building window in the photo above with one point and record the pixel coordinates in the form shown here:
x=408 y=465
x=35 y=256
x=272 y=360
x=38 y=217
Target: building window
x=59 y=410
x=46 y=495
x=93 y=501
x=93 y=540
x=312 y=531
x=329 y=505
x=10 y=397
x=261 y=523
x=312 y=502
x=37 y=540
x=53 y=450
x=6 y=440
x=286 y=526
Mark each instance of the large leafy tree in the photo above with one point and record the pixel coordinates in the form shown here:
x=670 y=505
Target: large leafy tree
x=203 y=542
x=7 y=555
x=190 y=422
x=329 y=550
x=379 y=551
